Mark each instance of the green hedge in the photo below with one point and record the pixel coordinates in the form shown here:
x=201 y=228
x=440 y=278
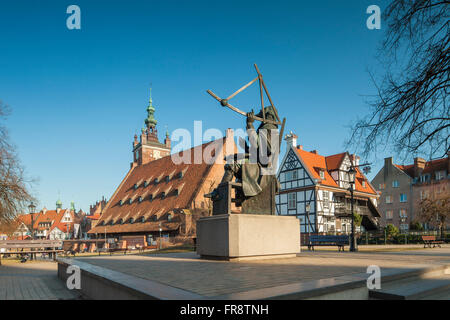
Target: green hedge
x=395 y=239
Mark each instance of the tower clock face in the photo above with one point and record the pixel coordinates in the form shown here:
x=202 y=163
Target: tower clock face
x=156 y=154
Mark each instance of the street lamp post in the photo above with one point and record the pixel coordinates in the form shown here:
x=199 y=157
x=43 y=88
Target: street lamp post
x=352 y=176
x=308 y=209
x=160 y=230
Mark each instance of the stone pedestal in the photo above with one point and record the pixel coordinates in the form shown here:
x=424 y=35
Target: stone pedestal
x=247 y=236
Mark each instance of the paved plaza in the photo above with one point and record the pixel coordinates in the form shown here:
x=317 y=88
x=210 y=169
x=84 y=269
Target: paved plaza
x=38 y=279
x=219 y=278
x=33 y=280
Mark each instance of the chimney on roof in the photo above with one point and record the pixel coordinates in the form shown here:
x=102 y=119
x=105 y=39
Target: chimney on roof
x=229 y=143
x=314 y=151
x=419 y=165
x=291 y=139
x=388 y=162
x=355 y=159
x=229 y=133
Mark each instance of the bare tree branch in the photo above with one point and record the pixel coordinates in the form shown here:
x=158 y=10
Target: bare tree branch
x=411 y=110
x=14 y=195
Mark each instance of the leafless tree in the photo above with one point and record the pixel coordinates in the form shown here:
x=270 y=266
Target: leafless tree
x=14 y=194
x=435 y=212
x=411 y=107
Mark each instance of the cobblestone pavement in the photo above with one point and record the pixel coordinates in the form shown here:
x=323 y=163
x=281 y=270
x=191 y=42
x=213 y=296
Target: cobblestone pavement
x=33 y=280
x=213 y=278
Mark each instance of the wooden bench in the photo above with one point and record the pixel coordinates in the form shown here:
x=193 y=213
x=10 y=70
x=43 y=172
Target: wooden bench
x=317 y=240
x=121 y=247
x=431 y=240
x=30 y=247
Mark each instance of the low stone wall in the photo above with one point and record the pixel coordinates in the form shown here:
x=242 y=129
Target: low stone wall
x=99 y=283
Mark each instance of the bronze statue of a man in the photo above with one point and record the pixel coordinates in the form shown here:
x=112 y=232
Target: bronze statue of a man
x=255 y=169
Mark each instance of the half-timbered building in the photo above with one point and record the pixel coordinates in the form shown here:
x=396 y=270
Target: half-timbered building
x=316 y=189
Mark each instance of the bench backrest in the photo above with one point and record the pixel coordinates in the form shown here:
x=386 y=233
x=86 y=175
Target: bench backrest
x=428 y=238
x=329 y=238
x=18 y=244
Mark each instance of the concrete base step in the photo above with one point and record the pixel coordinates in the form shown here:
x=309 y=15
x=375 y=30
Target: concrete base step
x=414 y=288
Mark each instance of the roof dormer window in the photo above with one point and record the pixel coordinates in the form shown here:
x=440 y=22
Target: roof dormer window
x=322 y=174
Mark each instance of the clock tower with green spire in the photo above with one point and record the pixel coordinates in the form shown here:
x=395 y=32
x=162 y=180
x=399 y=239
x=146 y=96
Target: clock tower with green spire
x=148 y=147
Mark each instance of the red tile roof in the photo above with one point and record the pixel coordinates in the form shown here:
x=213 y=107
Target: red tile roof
x=334 y=161
x=315 y=162
x=94 y=217
x=26 y=218
x=149 y=200
x=430 y=166
x=50 y=216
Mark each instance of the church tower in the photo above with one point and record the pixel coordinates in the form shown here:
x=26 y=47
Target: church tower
x=148 y=147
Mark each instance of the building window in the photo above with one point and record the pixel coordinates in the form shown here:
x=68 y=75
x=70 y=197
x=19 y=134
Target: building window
x=291 y=175
x=440 y=175
x=292 y=200
x=381 y=186
x=402 y=213
x=326 y=199
x=389 y=214
x=403 y=197
x=395 y=184
x=388 y=199
x=425 y=178
x=322 y=174
x=364 y=183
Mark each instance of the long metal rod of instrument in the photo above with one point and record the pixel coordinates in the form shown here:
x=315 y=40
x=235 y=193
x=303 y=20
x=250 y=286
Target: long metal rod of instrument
x=243 y=88
x=281 y=132
x=262 y=97
x=267 y=92
x=240 y=111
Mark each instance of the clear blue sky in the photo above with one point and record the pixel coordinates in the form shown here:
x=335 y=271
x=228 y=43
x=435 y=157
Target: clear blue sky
x=79 y=96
